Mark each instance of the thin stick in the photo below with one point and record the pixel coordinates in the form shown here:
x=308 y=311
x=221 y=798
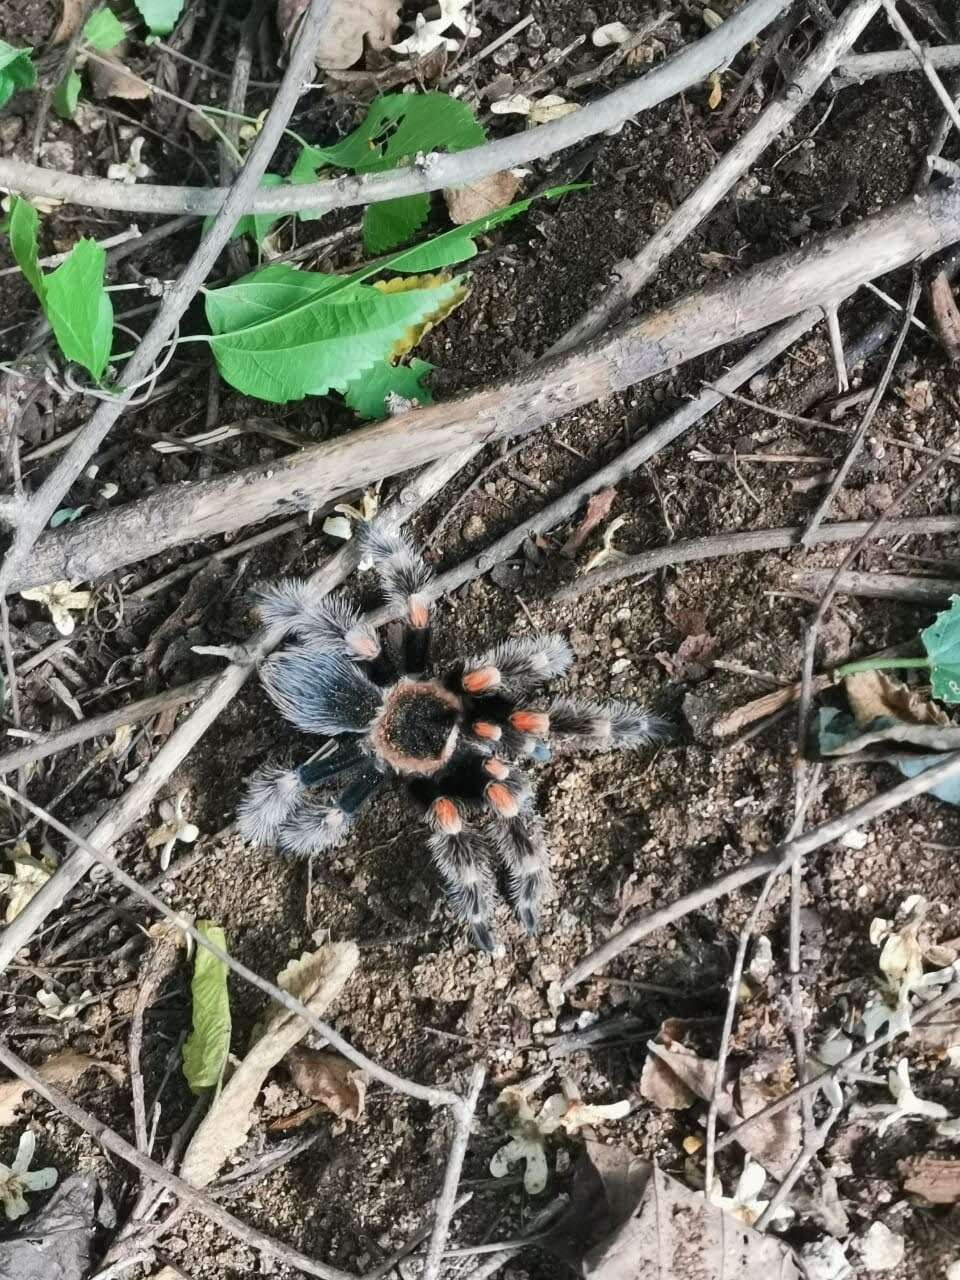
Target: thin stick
x=777 y=859
x=537 y=1224
x=908 y=38
x=106 y=723
x=850 y=1063
x=688 y=67
x=733 y=995
x=879 y=586
x=35 y=516
x=860 y=434
x=425 y=1093
x=735 y=544
x=827 y=268
x=463 y=1114
x=198 y=1200
x=387 y=1265
x=815 y=1139
x=63 y=69
x=860 y=67
x=630 y=275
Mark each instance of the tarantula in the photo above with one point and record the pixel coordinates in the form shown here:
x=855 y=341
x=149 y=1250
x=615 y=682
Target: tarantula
x=454 y=739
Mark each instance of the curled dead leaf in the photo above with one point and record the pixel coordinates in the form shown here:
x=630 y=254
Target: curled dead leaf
x=348 y=24
x=70 y=14
x=495 y=191
x=598 y=508
x=873 y=693
x=329 y=1079
x=62 y=1069
x=109 y=78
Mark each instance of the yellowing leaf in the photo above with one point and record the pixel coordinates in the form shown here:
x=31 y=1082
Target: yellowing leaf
x=405 y=284
x=716 y=90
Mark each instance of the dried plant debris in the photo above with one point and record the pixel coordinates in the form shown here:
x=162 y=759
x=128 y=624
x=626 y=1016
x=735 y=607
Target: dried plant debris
x=28 y=877
x=746 y=1202
x=905 y=1105
x=901 y=961
x=348 y=25
x=17 y=1180
x=174 y=828
x=935 y=1178
x=62 y=600
x=62 y=1069
x=529 y=1130
x=329 y=1079
x=316 y=979
x=675 y=1233
x=675 y=1076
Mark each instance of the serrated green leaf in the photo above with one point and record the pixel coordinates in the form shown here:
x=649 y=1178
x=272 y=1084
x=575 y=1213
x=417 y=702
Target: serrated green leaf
x=323 y=342
x=263 y=294
x=103 y=30
x=67 y=94
x=160 y=15
x=942 y=643
x=257 y=225
x=367 y=395
x=206 y=1048
x=23 y=230
x=393 y=222
x=79 y=308
x=16 y=71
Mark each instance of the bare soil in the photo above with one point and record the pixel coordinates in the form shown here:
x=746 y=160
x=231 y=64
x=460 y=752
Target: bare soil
x=627 y=832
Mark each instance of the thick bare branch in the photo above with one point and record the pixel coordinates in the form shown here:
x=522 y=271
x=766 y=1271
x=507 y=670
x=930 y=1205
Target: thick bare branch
x=827 y=269
x=686 y=68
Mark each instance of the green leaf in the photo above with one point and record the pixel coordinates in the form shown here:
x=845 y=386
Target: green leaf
x=79 y=308
x=323 y=342
x=160 y=15
x=24 y=225
x=66 y=514
x=942 y=643
x=67 y=94
x=263 y=294
x=206 y=1048
x=16 y=71
x=367 y=395
x=394 y=130
x=393 y=222
x=103 y=30
x=257 y=225
x=458 y=244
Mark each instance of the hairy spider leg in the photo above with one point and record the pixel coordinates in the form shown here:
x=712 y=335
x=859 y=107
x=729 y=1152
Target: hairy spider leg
x=273 y=794
x=314 y=826
x=607 y=725
x=331 y=623
x=462 y=859
x=514 y=667
x=404 y=578
x=495 y=721
x=520 y=845
x=320 y=692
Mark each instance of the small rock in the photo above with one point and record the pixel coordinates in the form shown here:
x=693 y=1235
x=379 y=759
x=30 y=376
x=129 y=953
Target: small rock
x=620 y=666
x=506 y=54
x=474 y=528
x=825 y=1260
x=761 y=965
x=57 y=155
x=855 y=840
x=880 y=1248
x=10 y=130
x=582 y=644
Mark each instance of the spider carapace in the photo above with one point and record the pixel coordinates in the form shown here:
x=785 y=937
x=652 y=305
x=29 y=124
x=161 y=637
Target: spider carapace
x=455 y=740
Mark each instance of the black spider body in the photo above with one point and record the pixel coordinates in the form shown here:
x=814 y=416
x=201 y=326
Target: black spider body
x=455 y=741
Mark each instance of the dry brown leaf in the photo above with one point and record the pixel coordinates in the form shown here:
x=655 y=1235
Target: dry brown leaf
x=874 y=693
x=917 y=396
x=932 y=1177
x=598 y=508
x=115 y=80
x=70 y=15
x=348 y=22
x=675 y=1234
x=316 y=979
x=692 y=658
x=495 y=191
x=62 y=1069
x=774 y=1142
x=329 y=1079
